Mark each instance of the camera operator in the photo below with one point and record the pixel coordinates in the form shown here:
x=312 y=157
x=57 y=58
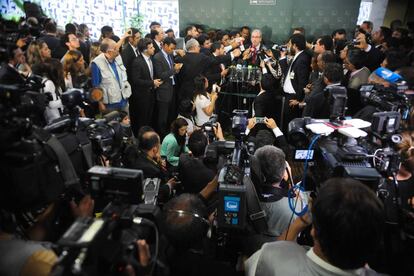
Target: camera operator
x=257 y=131
x=343 y=208
x=23 y=234
x=185 y=224
x=146 y=157
x=318 y=102
x=194 y=174
x=272 y=191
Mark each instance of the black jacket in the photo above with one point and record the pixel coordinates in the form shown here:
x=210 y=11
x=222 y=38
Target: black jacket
x=264 y=105
x=136 y=159
x=162 y=69
x=195 y=64
x=128 y=57
x=194 y=175
x=299 y=73
x=142 y=99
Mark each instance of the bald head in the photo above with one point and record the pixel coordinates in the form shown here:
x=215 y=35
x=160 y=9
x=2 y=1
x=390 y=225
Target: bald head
x=109 y=48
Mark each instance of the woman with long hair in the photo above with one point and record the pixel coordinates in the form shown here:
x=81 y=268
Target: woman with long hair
x=37 y=52
x=204 y=103
x=54 y=83
x=175 y=143
x=74 y=69
x=405 y=176
x=95 y=50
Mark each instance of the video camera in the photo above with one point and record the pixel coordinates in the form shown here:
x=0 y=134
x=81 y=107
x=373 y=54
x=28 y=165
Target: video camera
x=391 y=98
x=236 y=192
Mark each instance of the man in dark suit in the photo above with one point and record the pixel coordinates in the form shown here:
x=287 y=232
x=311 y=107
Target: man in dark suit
x=318 y=105
x=374 y=56
x=157 y=36
x=8 y=71
x=165 y=70
x=146 y=157
x=296 y=76
x=50 y=37
x=215 y=72
x=191 y=163
x=194 y=64
x=142 y=100
x=254 y=51
x=130 y=51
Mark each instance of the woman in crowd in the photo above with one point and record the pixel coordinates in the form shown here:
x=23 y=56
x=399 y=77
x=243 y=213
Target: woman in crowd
x=204 y=102
x=74 y=69
x=174 y=143
x=185 y=110
x=37 y=52
x=54 y=83
x=405 y=173
x=95 y=50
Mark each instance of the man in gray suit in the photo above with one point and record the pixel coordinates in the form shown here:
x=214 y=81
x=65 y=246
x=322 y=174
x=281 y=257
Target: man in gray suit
x=165 y=69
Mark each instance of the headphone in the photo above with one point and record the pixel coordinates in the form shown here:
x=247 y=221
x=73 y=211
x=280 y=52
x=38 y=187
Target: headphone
x=203 y=221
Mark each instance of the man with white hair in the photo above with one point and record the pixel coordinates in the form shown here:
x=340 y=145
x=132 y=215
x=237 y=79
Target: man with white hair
x=109 y=74
x=196 y=63
x=253 y=52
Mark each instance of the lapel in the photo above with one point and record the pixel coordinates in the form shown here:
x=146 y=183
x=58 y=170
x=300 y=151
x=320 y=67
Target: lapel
x=145 y=65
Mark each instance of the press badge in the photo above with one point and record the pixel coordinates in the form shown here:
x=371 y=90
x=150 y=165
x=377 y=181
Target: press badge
x=292 y=75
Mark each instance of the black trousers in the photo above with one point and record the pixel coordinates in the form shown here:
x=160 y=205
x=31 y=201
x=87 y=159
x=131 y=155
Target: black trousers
x=289 y=113
x=163 y=118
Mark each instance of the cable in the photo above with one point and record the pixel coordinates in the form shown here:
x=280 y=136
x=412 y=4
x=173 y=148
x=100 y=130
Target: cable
x=296 y=190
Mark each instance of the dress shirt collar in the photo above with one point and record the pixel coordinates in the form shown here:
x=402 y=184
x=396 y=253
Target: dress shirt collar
x=324 y=264
x=158 y=43
x=356 y=72
x=333 y=84
x=296 y=55
x=133 y=48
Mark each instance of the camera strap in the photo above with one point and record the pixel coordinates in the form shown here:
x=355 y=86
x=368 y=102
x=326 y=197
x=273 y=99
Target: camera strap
x=254 y=210
x=86 y=147
x=67 y=170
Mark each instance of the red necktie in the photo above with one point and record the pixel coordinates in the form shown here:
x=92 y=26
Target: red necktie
x=254 y=55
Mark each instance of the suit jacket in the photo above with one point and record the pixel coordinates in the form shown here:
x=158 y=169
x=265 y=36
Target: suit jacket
x=194 y=182
x=195 y=64
x=157 y=49
x=10 y=76
x=162 y=69
x=264 y=105
x=259 y=55
x=213 y=74
x=134 y=158
x=317 y=104
x=301 y=69
x=373 y=58
x=142 y=99
x=354 y=84
x=128 y=57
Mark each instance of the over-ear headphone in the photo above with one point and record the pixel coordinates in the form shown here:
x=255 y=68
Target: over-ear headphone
x=205 y=224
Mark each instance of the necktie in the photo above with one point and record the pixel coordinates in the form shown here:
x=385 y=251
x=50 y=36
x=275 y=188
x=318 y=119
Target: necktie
x=254 y=55
x=151 y=68
x=170 y=61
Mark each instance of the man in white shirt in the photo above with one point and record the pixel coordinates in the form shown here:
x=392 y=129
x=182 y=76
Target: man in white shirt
x=295 y=76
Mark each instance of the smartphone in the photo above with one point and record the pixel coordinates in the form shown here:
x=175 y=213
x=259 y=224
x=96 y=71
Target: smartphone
x=260 y=120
